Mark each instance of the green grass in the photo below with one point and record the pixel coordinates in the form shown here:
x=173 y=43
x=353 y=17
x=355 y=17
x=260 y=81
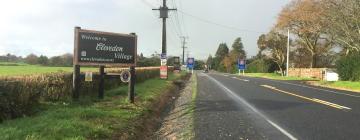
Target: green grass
x=276 y=76
x=89 y=118
x=347 y=85
x=25 y=69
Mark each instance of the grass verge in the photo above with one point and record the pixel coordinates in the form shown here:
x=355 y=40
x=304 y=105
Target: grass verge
x=342 y=85
x=276 y=76
x=190 y=130
x=88 y=119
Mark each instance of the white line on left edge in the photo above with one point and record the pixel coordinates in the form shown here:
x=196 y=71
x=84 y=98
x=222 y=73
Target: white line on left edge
x=230 y=92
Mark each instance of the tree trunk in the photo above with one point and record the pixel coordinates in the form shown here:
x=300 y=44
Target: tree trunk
x=313 y=60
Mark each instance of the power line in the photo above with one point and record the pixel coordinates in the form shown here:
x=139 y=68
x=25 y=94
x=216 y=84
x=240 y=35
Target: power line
x=183 y=19
x=218 y=24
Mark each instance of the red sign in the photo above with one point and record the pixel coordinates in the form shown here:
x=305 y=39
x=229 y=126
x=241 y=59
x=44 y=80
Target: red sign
x=163 y=72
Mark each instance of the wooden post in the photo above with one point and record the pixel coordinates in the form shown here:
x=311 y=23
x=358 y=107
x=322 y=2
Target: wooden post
x=76 y=82
x=101 y=83
x=131 y=93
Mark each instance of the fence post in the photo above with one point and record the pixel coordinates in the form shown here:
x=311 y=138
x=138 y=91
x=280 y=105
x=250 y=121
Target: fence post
x=101 y=83
x=76 y=82
x=131 y=93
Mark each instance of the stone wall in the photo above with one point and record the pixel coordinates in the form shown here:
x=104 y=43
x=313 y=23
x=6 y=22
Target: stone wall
x=317 y=73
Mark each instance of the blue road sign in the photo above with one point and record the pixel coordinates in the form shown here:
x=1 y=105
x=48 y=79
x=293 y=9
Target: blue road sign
x=190 y=63
x=241 y=64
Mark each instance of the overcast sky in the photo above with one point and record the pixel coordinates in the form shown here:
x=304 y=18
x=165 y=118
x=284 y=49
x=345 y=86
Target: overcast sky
x=46 y=26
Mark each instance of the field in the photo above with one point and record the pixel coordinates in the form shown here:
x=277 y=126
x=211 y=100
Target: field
x=18 y=69
x=88 y=119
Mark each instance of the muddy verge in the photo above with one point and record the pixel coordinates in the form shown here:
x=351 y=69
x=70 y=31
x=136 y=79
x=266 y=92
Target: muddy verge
x=146 y=125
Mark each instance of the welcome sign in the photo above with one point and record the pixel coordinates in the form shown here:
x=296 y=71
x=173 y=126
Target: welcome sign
x=104 y=48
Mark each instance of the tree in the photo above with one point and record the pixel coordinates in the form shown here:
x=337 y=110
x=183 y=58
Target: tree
x=31 y=59
x=227 y=62
x=275 y=48
x=261 y=44
x=221 y=53
x=237 y=50
x=210 y=62
x=343 y=17
x=302 y=17
x=43 y=60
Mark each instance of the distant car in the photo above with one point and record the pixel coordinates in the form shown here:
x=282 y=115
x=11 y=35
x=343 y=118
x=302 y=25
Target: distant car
x=206 y=70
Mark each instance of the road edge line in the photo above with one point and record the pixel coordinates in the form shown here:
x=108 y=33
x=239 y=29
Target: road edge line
x=283 y=131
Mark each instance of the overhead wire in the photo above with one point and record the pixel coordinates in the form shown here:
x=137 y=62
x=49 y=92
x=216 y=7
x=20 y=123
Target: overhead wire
x=217 y=24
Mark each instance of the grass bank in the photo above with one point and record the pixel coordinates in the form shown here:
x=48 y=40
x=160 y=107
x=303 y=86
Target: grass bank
x=342 y=85
x=89 y=118
x=276 y=76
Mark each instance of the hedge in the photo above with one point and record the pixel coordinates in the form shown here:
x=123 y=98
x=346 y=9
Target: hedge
x=348 y=67
x=20 y=95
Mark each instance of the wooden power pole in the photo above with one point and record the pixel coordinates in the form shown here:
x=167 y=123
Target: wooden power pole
x=183 y=47
x=164 y=12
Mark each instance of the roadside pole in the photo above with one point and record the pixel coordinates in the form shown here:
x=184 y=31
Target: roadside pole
x=287 y=54
x=101 y=83
x=164 y=11
x=132 y=85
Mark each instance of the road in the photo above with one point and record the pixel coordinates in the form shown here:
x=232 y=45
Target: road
x=238 y=107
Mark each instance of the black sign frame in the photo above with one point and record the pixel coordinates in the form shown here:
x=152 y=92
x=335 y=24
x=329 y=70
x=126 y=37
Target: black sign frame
x=77 y=44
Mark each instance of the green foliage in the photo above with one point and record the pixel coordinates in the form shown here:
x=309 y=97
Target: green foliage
x=259 y=66
x=222 y=51
x=348 y=67
x=92 y=120
x=43 y=60
x=237 y=49
x=199 y=65
x=146 y=62
x=19 y=95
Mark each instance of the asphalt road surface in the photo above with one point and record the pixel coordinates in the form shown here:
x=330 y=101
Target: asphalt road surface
x=238 y=107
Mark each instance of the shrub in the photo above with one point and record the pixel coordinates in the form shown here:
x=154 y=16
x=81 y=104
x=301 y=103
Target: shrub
x=260 y=66
x=20 y=95
x=348 y=67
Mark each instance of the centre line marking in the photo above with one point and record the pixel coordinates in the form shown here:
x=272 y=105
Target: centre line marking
x=241 y=79
x=333 y=105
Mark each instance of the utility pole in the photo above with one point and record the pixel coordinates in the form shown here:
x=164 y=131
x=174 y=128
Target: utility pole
x=183 y=47
x=287 y=54
x=164 y=12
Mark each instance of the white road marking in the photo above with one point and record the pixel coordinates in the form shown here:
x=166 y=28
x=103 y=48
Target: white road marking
x=231 y=93
x=241 y=79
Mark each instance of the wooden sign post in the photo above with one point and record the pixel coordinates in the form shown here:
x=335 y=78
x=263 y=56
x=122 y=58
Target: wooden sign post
x=96 y=48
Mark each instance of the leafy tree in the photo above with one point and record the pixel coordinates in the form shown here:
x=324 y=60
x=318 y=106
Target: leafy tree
x=31 y=59
x=228 y=63
x=222 y=51
x=43 y=60
x=210 y=62
x=237 y=50
x=302 y=18
x=275 y=48
x=261 y=44
x=199 y=65
x=343 y=18
x=348 y=67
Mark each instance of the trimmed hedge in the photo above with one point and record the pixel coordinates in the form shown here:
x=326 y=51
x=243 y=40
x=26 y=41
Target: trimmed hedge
x=348 y=67
x=20 y=95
